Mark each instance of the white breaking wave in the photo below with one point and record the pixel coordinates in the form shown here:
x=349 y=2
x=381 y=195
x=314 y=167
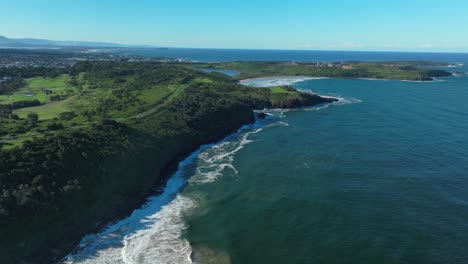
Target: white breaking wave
x=277 y=81
x=341 y=101
x=456 y=65
x=217 y=161
x=347 y=100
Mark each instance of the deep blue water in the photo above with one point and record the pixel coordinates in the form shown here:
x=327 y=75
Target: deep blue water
x=381 y=177
x=380 y=180
x=293 y=55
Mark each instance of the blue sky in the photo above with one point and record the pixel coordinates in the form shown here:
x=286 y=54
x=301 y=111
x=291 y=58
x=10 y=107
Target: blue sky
x=390 y=25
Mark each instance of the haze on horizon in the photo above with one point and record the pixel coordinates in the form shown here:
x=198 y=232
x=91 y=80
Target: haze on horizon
x=396 y=25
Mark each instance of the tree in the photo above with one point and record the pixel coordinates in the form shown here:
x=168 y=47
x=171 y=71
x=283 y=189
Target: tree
x=67 y=115
x=33 y=118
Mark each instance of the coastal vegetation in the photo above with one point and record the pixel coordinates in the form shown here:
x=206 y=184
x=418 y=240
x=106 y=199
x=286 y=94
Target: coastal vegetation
x=411 y=71
x=85 y=144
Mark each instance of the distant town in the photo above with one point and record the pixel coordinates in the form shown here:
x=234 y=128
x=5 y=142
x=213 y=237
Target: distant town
x=60 y=59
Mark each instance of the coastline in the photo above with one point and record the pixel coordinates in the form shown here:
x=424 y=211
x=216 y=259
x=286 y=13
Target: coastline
x=56 y=250
x=110 y=167
x=173 y=186
x=171 y=171
x=156 y=205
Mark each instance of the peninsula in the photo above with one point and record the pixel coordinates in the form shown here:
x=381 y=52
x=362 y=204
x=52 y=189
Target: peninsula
x=398 y=70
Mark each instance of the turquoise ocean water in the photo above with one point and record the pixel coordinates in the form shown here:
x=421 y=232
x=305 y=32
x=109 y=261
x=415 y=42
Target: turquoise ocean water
x=379 y=177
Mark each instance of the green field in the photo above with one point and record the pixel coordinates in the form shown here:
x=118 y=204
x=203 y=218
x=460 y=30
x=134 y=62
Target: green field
x=281 y=90
x=87 y=98
x=47 y=111
x=34 y=89
x=90 y=98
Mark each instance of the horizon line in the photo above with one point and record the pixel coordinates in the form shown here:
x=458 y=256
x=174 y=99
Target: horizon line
x=137 y=46
x=155 y=46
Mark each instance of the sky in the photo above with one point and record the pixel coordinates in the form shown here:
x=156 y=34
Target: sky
x=378 y=25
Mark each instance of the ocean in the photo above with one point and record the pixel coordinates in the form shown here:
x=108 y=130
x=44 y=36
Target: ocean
x=213 y=55
x=379 y=177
